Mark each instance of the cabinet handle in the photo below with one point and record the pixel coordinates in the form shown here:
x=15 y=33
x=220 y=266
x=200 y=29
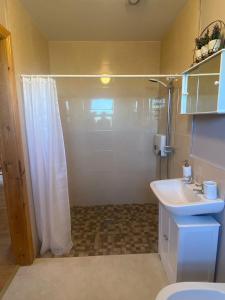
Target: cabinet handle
x=165 y=237
x=216 y=83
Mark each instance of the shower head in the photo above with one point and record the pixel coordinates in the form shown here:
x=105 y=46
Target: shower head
x=158 y=81
x=133 y=2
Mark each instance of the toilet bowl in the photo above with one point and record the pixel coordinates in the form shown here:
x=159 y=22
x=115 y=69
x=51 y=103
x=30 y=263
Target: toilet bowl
x=193 y=291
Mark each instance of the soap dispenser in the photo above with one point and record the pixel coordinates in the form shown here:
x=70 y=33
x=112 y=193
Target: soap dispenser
x=187 y=172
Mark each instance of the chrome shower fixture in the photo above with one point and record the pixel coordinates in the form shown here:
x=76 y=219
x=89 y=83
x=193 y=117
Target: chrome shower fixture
x=157 y=81
x=168 y=149
x=133 y=2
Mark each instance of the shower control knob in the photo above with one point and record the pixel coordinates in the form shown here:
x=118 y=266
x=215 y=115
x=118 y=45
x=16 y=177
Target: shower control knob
x=168 y=149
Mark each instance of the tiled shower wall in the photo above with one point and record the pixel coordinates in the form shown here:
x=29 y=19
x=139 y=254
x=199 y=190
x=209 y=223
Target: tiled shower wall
x=108 y=129
x=108 y=133
x=180 y=135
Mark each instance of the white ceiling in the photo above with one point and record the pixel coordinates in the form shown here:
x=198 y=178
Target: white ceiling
x=101 y=20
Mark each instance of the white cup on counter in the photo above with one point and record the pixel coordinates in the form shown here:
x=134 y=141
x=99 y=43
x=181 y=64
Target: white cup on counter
x=210 y=190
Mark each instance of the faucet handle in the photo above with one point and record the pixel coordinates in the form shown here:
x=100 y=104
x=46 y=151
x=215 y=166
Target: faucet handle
x=199 y=188
x=198 y=184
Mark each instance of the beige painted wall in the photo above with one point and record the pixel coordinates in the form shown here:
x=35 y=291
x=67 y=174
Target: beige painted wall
x=212 y=10
x=178 y=43
x=29 y=45
x=104 y=57
x=30 y=50
x=176 y=55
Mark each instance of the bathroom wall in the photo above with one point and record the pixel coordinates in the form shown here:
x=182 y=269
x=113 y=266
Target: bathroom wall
x=3 y=13
x=30 y=51
x=108 y=129
x=208 y=138
x=176 y=56
x=210 y=164
x=104 y=57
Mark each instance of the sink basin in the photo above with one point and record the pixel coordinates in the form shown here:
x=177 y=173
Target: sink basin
x=180 y=199
x=193 y=291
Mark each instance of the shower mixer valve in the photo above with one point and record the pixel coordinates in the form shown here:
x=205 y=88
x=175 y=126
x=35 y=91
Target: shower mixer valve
x=160 y=147
x=168 y=149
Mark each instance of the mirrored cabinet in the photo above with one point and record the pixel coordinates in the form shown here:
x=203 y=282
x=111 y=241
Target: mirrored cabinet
x=203 y=86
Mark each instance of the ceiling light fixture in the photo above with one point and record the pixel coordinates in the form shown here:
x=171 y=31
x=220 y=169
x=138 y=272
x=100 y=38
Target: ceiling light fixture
x=105 y=79
x=133 y=2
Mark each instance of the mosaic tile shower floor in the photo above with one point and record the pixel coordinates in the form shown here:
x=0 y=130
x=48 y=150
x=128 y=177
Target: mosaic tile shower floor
x=114 y=229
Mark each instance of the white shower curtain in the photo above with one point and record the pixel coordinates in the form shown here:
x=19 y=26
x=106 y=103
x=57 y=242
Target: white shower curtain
x=48 y=165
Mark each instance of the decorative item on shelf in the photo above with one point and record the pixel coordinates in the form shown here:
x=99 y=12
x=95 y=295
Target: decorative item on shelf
x=209 y=41
x=215 y=39
x=205 y=47
x=198 y=52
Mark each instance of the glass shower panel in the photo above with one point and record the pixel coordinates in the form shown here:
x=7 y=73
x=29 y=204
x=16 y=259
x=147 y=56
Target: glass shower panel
x=108 y=132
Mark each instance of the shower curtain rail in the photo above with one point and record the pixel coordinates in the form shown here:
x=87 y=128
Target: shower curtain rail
x=168 y=76
x=102 y=75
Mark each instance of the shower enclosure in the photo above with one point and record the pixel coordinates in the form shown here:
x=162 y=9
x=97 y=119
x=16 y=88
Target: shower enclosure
x=108 y=131
x=107 y=154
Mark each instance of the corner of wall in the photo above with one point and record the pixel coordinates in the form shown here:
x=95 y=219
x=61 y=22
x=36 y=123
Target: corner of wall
x=176 y=55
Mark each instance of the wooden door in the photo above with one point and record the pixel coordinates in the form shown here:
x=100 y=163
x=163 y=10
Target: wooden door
x=13 y=158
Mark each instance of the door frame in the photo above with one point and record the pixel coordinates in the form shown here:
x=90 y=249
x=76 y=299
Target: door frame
x=17 y=208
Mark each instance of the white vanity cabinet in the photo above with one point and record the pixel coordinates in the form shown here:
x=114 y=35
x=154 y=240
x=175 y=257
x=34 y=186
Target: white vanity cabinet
x=188 y=246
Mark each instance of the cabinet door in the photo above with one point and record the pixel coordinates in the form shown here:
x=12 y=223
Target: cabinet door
x=163 y=232
x=200 y=93
x=208 y=86
x=197 y=253
x=168 y=243
x=173 y=246
x=192 y=94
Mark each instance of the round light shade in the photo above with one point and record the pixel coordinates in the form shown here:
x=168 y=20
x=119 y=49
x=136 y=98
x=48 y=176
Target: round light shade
x=105 y=79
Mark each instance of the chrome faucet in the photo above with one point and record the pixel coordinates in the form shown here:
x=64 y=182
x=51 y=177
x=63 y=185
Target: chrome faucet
x=188 y=180
x=199 y=188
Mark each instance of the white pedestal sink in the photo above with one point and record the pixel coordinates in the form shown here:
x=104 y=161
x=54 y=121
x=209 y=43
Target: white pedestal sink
x=180 y=199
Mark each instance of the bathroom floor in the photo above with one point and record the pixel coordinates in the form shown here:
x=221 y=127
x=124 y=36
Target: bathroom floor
x=120 y=277
x=114 y=229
